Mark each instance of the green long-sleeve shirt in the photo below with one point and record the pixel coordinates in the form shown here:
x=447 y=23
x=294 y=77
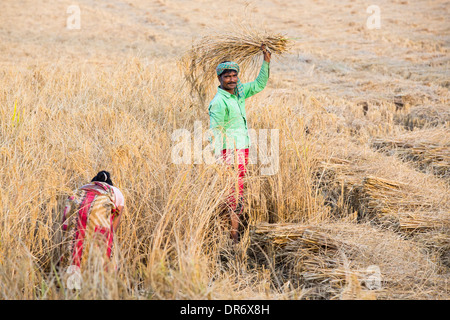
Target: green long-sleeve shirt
x=228 y=120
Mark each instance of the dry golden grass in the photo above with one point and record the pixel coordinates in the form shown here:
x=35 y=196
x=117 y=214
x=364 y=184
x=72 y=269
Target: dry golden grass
x=428 y=148
x=110 y=95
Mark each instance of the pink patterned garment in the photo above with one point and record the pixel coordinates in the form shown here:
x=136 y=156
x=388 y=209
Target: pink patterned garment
x=239 y=159
x=88 y=222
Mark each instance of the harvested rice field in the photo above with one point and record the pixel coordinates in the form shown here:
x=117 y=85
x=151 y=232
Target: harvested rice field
x=353 y=125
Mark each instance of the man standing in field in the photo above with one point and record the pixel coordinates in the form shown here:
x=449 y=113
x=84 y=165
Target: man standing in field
x=228 y=122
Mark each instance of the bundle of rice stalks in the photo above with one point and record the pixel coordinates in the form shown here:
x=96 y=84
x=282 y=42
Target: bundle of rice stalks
x=385 y=196
x=438 y=244
x=284 y=234
x=336 y=179
x=243 y=47
x=400 y=205
x=302 y=255
x=424 y=116
x=433 y=154
x=340 y=169
x=424 y=221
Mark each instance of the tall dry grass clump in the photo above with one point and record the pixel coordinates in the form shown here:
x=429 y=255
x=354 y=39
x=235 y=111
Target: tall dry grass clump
x=172 y=242
x=75 y=120
x=312 y=228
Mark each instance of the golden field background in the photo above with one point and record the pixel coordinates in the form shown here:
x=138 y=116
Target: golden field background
x=363 y=180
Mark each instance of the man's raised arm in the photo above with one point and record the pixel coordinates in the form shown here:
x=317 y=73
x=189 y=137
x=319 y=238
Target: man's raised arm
x=252 y=88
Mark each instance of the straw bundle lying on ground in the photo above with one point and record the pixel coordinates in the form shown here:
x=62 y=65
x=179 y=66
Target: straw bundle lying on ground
x=339 y=260
x=243 y=47
x=347 y=188
x=419 y=210
x=339 y=181
x=285 y=233
x=302 y=255
x=430 y=153
x=424 y=116
x=398 y=203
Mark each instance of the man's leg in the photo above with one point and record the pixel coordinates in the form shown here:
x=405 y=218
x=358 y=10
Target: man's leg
x=234 y=226
x=236 y=199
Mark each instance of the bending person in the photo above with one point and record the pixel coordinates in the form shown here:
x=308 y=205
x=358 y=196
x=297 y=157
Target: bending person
x=91 y=217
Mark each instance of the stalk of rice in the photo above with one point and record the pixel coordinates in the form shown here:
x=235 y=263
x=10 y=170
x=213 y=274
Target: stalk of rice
x=339 y=181
x=404 y=206
x=243 y=47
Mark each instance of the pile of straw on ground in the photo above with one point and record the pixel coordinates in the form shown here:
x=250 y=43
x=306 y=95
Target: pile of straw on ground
x=339 y=180
x=413 y=205
x=241 y=46
x=428 y=148
x=348 y=187
x=336 y=260
x=423 y=116
x=303 y=255
x=399 y=260
x=399 y=204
